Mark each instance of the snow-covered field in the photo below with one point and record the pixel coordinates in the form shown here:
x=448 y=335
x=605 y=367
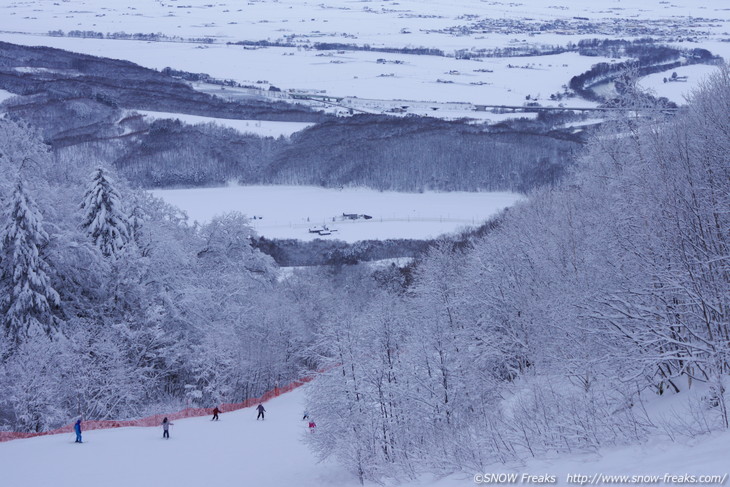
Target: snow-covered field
x=290 y=211
x=677 y=91
x=465 y=26
x=356 y=74
x=264 y=128
x=378 y=23
x=238 y=450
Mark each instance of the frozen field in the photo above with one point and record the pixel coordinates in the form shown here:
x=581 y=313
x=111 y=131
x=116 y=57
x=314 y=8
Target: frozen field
x=238 y=450
x=290 y=211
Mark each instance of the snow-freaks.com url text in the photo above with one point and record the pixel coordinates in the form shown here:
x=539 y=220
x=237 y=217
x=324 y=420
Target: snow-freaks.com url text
x=599 y=479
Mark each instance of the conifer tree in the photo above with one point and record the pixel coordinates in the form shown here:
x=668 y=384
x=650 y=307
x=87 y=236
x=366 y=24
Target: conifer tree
x=104 y=218
x=28 y=297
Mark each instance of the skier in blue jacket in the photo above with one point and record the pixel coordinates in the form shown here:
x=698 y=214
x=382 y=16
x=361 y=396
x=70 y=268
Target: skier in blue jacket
x=77 y=429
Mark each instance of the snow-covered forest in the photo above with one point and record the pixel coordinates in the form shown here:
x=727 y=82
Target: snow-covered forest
x=113 y=306
x=548 y=332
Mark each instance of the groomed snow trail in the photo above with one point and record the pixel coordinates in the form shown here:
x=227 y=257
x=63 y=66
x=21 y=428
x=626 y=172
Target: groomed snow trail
x=235 y=451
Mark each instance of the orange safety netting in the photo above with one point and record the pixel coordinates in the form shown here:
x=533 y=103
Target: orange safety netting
x=156 y=420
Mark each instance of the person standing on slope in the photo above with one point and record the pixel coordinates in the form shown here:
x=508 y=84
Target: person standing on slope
x=166 y=428
x=77 y=429
x=215 y=414
x=261 y=410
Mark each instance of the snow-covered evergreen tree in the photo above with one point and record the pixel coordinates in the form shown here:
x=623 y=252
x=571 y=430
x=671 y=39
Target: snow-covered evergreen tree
x=104 y=218
x=28 y=297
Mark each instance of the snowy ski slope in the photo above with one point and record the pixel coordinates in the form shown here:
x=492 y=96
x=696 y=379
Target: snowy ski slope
x=240 y=451
x=235 y=451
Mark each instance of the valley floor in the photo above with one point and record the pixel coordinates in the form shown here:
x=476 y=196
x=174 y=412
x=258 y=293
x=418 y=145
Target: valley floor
x=290 y=211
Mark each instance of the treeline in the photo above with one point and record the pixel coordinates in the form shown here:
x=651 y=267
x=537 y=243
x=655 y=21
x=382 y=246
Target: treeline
x=332 y=252
x=336 y=46
x=414 y=154
x=648 y=50
x=341 y=46
x=618 y=48
x=203 y=77
x=647 y=58
x=512 y=51
x=387 y=153
x=137 y=36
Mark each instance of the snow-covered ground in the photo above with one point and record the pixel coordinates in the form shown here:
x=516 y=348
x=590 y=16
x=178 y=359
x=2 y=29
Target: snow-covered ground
x=290 y=211
x=689 y=77
x=264 y=128
x=405 y=22
x=351 y=73
x=450 y=26
x=4 y=95
x=235 y=451
x=659 y=462
x=238 y=450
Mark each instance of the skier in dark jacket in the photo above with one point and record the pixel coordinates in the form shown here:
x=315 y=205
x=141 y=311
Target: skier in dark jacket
x=261 y=410
x=215 y=414
x=77 y=430
x=166 y=428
